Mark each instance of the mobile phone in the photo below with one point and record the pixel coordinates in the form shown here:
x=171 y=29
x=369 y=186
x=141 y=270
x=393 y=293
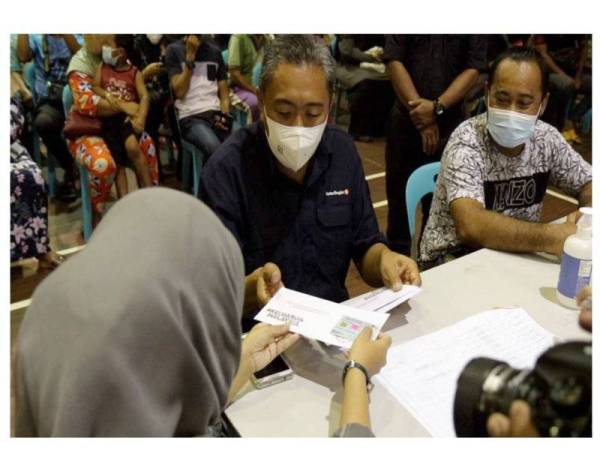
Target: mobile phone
x=276 y=372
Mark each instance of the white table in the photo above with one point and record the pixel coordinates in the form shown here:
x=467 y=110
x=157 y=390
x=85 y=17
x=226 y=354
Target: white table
x=309 y=404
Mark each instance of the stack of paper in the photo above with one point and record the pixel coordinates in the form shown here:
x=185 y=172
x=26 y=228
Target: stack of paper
x=422 y=373
x=319 y=319
x=383 y=299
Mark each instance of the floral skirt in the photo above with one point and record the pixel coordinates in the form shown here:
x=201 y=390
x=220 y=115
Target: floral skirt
x=28 y=207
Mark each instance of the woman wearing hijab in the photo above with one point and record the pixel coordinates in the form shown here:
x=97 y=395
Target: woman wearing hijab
x=115 y=344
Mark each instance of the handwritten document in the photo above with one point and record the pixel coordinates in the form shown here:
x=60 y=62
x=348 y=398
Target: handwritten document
x=422 y=374
x=319 y=319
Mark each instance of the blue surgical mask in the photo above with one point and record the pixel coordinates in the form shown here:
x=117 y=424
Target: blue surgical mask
x=510 y=128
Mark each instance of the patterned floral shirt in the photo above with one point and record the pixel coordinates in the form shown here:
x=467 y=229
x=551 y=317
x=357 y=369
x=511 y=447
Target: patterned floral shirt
x=471 y=167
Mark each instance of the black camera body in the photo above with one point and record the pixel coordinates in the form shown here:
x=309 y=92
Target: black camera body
x=558 y=390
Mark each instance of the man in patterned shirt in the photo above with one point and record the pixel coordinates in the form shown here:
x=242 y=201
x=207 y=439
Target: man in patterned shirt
x=496 y=167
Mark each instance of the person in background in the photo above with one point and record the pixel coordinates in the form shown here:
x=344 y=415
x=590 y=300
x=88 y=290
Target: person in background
x=158 y=350
x=50 y=54
x=151 y=49
x=28 y=201
x=496 y=167
x=565 y=56
x=431 y=74
x=120 y=83
x=244 y=52
x=221 y=41
x=519 y=423
x=369 y=91
x=21 y=93
x=17 y=83
x=199 y=81
x=91 y=151
x=291 y=188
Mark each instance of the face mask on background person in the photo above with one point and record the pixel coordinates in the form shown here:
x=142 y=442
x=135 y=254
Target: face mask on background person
x=293 y=146
x=107 y=56
x=510 y=128
x=154 y=38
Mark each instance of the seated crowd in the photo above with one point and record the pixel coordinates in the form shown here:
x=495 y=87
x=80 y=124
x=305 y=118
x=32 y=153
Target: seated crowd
x=283 y=199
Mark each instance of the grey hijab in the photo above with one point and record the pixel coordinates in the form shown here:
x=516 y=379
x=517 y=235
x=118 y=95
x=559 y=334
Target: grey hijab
x=139 y=334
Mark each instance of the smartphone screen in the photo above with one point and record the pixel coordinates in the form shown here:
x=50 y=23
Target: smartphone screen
x=276 y=366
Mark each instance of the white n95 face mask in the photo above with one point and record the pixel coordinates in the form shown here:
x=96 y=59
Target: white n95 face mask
x=107 y=56
x=509 y=128
x=293 y=146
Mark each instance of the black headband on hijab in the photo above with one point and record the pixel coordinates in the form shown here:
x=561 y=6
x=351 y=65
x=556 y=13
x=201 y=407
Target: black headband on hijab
x=139 y=334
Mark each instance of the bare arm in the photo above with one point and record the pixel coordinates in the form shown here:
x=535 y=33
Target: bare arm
x=369 y=267
x=355 y=405
x=585 y=195
x=240 y=80
x=459 y=87
x=84 y=99
x=242 y=377
x=152 y=70
x=143 y=96
x=71 y=43
x=371 y=354
x=251 y=297
x=402 y=82
x=96 y=84
x=382 y=267
x=181 y=82
x=349 y=53
x=17 y=83
x=543 y=49
x=23 y=50
x=224 y=96
x=478 y=227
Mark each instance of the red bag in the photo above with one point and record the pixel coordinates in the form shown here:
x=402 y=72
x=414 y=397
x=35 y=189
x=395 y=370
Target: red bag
x=78 y=125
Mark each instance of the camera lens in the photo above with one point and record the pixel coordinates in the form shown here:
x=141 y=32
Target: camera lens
x=468 y=417
x=558 y=390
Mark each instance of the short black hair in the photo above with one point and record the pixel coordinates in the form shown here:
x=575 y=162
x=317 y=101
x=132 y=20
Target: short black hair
x=127 y=43
x=522 y=54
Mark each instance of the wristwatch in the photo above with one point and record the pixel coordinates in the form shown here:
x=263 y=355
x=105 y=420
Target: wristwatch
x=438 y=108
x=355 y=365
x=190 y=64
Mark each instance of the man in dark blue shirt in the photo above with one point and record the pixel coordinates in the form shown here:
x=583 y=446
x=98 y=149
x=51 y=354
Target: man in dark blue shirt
x=292 y=190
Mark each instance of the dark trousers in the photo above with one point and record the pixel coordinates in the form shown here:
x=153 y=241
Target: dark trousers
x=403 y=154
x=370 y=104
x=562 y=93
x=49 y=122
x=156 y=116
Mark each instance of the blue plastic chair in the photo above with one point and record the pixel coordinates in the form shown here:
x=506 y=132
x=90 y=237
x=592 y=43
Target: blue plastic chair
x=29 y=77
x=193 y=155
x=256 y=73
x=587 y=122
x=84 y=179
x=190 y=154
x=420 y=183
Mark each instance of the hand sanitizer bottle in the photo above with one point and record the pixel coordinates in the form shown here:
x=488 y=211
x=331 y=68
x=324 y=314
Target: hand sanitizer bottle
x=576 y=261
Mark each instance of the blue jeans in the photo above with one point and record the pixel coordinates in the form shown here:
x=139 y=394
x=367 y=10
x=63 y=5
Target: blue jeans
x=198 y=132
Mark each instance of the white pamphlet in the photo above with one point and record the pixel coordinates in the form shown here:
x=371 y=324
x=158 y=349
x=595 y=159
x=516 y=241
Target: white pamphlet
x=422 y=373
x=383 y=299
x=315 y=318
